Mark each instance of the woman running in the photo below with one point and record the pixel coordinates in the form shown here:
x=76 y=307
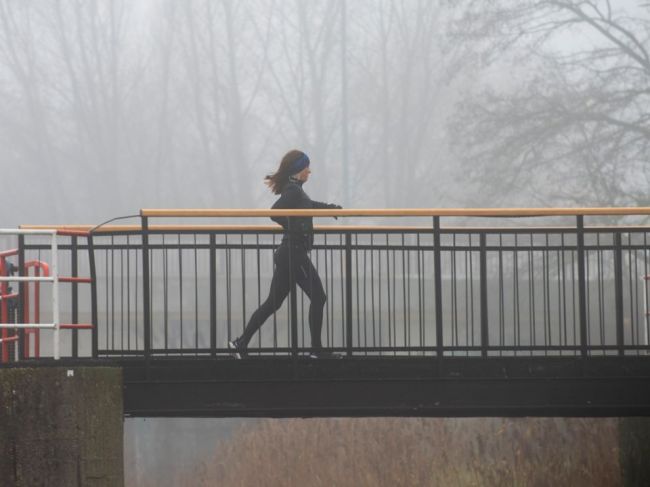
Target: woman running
x=292 y=256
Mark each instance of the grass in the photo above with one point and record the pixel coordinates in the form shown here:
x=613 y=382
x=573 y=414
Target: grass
x=415 y=452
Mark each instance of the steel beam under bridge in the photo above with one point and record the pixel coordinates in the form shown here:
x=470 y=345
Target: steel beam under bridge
x=418 y=387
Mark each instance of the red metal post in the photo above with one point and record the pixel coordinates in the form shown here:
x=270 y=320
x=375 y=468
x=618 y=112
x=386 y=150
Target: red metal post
x=4 y=315
x=4 y=305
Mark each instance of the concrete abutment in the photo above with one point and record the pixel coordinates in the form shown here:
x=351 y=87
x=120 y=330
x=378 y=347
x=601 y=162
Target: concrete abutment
x=61 y=426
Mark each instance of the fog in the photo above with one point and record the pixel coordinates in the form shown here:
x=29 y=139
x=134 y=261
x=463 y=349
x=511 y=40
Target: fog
x=113 y=106
x=109 y=106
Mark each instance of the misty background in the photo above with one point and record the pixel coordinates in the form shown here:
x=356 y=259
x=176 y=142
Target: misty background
x=109 y=106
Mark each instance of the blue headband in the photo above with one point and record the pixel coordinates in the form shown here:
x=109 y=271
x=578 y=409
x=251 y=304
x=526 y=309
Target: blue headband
x=299 y=164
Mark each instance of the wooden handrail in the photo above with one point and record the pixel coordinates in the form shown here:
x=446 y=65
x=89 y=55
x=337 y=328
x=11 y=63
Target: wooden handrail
x=233 y=228
x=408 y=212
x=330 y=228
x=413 y=212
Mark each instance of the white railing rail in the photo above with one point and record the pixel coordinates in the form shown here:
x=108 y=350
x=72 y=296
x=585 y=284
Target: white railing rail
x=53 y=278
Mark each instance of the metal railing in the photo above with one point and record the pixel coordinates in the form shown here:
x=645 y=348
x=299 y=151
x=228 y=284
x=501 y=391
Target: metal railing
x=27 y=303
x=408 y=290
x=51 y=278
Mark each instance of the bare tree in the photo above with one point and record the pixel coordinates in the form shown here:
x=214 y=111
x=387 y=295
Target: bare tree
x=129 y=104
x=65 y=67
x=407 y=79
x=25 y=116
x=568 y=121
x=303 y=81
x=223 y=71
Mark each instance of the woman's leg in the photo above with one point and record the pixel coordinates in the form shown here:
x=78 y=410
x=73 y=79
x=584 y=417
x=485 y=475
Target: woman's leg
x=309 y=281
x=277 y=294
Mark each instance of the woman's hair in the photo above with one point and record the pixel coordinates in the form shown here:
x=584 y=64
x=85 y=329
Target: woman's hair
x=278 y=180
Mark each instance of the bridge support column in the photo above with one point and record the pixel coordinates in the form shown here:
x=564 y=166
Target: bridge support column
x=61 y=426
x=635 y=451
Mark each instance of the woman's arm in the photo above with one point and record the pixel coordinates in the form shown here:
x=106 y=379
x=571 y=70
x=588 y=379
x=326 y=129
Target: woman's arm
x=317 y=205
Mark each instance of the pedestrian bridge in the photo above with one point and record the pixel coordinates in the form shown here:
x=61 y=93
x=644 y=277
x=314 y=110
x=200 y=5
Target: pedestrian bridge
x=437 y=312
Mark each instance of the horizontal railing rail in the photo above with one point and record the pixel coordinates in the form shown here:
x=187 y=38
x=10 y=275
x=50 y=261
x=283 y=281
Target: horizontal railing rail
x=396 y=212
x=565 y=288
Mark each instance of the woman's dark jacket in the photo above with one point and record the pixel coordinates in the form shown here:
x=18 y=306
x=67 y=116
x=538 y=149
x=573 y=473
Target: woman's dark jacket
x=298 y=230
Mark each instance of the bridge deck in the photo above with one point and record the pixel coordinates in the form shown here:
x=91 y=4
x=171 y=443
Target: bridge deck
x=403 y=386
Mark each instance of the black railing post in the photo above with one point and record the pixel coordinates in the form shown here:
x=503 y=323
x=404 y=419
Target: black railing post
x=618 y=287
x=582 y=284
x=146 y=288
x=213 y=295
x=485 y=337
x=93 y=297
x=21 y=296
x=437 y=276
x=348 y=293
x=75 y=294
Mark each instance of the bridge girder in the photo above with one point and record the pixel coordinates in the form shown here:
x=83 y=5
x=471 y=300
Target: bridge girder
x=358 y=387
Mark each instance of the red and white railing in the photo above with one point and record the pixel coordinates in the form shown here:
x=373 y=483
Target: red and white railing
x=43 y=273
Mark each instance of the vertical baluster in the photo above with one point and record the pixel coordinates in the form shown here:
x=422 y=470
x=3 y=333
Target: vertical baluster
x=348 y=293
x=646 y=317
x=380 y=313
x=502 y=319
x=515 y=298
x=358 y=292
x=618 y=289
x=532 y=331
x=582 y=290
x=137 y=293
x=293 y=317
x=180 y=289
x=407 y=305
x=275 y=315
x=484 y=295
x=128 y=291
x=437 y=276
x=243 y=279
x=328 y=303
x=392 y=339
x=601 y=291
x=94 y=338
x=546 y=294
x=561 y=295
x=213 y=294
x=112 y=292
x=259 y=285
x=421 y=294
x=146 y=288
x=634 y=296
x=343 y=291
x=196 y=297
x=454 y=296
x=574 y=307
x=165 y=272
x=372 y=291
x=229 y=332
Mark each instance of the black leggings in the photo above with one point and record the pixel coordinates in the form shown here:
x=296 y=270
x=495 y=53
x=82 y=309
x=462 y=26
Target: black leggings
x=290 y=262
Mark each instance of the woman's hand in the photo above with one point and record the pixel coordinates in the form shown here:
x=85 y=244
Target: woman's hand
x=333 y=206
